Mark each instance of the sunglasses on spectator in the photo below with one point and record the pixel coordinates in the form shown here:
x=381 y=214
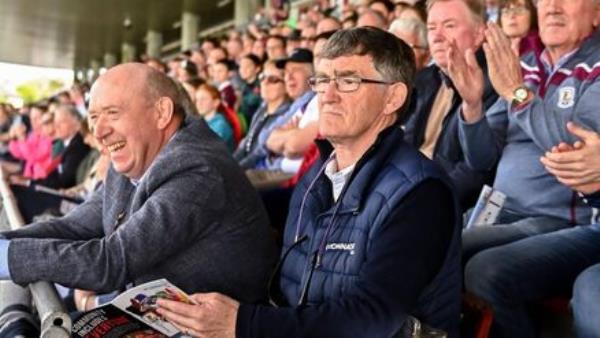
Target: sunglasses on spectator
x=272 y=79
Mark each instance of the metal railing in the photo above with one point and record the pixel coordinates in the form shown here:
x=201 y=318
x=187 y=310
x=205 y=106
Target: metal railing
x=54 y=319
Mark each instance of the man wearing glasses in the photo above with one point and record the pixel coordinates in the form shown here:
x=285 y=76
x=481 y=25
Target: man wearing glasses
x=363 y=248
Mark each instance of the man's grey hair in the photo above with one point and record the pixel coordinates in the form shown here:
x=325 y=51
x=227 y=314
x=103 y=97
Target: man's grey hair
x=160 y=85
x=71 y=111
x=392 y=57
x=412 y=26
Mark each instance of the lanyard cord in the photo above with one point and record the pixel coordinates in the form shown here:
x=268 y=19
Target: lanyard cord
x=310 y=186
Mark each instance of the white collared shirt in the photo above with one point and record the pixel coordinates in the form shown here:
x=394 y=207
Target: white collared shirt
x=338 y=178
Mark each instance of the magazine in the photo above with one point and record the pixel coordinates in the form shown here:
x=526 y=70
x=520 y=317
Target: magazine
x=487 y=208
x=132 y=314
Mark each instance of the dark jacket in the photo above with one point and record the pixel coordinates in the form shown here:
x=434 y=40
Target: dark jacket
x=387 y=255
x=193 y=218
x=447 y=152
x=251 y=99
x=65 y=175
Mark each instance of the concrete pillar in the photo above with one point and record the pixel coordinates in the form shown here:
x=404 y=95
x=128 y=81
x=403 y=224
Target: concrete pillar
x=79 y=74
x=189 y=30
x=94 y=70
x=245 y=10
x=127 y=52
x=110 y=60
x=154 y=42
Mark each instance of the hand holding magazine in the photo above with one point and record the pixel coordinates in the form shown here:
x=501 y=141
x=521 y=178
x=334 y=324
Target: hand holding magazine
x=132 y=314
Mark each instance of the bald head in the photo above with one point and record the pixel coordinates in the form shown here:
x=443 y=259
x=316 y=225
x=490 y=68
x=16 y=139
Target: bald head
x=145 y=81
x=134 y=111
x=372 y=18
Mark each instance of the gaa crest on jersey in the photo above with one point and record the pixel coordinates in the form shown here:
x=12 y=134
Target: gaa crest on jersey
x=566 y=97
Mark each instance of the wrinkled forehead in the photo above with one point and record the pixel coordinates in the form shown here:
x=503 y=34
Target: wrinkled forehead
x=115 y=91
x=292 y=67
x=452 y=10
x=361 y=65
x=575 y=5
x=128 y=82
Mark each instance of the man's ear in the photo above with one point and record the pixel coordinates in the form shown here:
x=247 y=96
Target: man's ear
x=396 y=98
x=165 y=110
x=479 y=35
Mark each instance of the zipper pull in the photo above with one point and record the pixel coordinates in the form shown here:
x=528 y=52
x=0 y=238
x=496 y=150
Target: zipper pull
x=317 y=259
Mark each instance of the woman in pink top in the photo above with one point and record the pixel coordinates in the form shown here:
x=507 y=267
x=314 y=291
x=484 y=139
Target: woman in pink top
x=35 y=149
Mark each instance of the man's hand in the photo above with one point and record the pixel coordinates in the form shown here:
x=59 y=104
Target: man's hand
x=504 y=67
x=467 y=77
x=293 y=123
x=214 y=315
x=576 y=166
x=84 y=300
x=276 y=141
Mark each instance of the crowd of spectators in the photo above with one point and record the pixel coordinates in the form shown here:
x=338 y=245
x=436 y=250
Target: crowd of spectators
x=503 y=95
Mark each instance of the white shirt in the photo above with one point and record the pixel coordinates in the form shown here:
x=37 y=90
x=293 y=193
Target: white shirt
x=338 y=178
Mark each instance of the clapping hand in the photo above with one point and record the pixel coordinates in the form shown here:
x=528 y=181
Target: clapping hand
x=467 y=77
x=576 y=165
x=504 y=67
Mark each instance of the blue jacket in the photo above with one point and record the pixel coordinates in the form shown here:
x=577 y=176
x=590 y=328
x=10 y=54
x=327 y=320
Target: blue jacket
x=380 y=262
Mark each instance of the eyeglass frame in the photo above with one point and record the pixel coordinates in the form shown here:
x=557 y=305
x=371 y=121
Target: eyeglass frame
x=312 y=82
x=514 y=10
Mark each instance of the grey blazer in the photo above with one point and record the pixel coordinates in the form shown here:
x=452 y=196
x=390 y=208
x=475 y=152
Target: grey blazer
x=193 y=218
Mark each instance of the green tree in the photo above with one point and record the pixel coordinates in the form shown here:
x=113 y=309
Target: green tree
x=36 y=90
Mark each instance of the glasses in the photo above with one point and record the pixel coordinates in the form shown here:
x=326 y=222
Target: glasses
x=271 y=79
x=514 y=10
x=344 y=84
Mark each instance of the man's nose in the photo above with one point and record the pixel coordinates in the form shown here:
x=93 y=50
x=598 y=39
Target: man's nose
x=100 y=128
x=437 y=35
x=330 y=93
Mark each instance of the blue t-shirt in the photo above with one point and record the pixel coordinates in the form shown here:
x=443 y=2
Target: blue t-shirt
x=221 y=127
